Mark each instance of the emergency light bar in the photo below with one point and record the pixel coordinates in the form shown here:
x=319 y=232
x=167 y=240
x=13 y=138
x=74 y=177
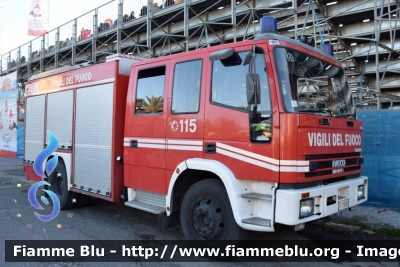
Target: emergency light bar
x=268 y=25
x=327 y=48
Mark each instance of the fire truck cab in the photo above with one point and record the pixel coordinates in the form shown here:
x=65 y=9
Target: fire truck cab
x=235 y=137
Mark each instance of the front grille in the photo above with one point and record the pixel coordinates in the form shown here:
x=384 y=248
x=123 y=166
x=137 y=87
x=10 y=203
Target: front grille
x=328 y=164
x=329 y=172
x=330 y=156
x=333 y=164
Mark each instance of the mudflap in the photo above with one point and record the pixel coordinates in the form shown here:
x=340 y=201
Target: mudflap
x=165 y=221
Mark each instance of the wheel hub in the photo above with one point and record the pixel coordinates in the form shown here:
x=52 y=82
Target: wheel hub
x=208 y=219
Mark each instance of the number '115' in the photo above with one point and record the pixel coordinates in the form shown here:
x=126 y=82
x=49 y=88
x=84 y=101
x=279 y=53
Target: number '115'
x=188 y=125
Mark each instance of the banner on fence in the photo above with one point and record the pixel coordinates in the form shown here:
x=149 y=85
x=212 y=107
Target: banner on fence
x=38 y=17
x=8 y=115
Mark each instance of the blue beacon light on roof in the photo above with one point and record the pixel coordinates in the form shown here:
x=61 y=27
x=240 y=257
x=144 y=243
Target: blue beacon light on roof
x=268 y=25
x=327 y=48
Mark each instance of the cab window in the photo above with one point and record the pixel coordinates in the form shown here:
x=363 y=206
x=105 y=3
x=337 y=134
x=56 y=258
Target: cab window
x=228 y=89
x=150 y=91
x=228 y=86
x=186 y=88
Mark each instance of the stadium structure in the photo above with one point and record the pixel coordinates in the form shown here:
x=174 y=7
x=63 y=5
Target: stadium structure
x=363 y=34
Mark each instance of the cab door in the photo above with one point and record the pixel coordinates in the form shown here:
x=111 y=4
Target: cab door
x=147 y=128
x=240 y=136
x=185 y=115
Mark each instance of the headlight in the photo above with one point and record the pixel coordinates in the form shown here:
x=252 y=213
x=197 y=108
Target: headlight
x=306 y=207
x=360 y=192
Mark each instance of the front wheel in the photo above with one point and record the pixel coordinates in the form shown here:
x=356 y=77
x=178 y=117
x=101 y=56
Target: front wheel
x=206 y=214
x=59 y=185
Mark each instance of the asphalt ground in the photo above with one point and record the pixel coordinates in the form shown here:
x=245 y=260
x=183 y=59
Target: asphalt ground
x=102 y=220
x=373 y=216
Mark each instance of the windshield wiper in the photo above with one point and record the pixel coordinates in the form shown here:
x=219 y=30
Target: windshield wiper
x=343 y=115
x=316 y=110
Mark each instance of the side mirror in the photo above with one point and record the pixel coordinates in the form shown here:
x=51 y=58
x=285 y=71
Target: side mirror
x=247 y=59
x=253 y=88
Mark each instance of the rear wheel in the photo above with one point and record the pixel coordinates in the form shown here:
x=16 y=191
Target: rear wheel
x=59 y=185
x=206 y=214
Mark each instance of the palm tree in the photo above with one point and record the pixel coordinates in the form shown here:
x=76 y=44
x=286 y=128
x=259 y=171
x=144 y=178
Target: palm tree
x=153 y=104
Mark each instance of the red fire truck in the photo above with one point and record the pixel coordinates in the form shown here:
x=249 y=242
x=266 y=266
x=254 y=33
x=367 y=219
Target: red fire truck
x=236 y=137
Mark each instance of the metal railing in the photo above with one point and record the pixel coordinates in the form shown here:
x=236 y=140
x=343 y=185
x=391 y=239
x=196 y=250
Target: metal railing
x=107 y=14
x=139 y=7
x=84 y=25
x=162 y=27
x=24 y=53
x=50 y=41
x=65 y=33
x=162 y=4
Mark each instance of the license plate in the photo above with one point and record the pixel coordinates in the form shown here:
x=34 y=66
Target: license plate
x=344 y=204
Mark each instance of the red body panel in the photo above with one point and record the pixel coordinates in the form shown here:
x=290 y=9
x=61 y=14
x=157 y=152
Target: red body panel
x=8 y=154
x=176 y=151
x=335 y=138
x=231 y=127
x=120 y=91
x=146 y=164
x=288 y=147
x=73 y=80
x=30 y=173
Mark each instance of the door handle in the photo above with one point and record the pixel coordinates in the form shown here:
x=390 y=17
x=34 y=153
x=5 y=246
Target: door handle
x=134 y=144
x=210 y=148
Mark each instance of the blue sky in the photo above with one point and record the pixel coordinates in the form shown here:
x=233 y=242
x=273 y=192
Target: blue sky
x=14 y=18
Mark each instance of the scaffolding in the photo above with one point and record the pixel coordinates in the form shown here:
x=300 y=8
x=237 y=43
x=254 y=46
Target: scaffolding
x=363 y=34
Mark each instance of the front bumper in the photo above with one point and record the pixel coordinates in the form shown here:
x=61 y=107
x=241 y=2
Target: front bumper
x=326 y=200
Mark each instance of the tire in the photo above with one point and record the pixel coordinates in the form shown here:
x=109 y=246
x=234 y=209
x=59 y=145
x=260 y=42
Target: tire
x=59 y=185
x=206 y=214
x=82 y=201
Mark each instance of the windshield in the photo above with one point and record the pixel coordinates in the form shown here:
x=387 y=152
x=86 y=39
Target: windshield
x=310 y=85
